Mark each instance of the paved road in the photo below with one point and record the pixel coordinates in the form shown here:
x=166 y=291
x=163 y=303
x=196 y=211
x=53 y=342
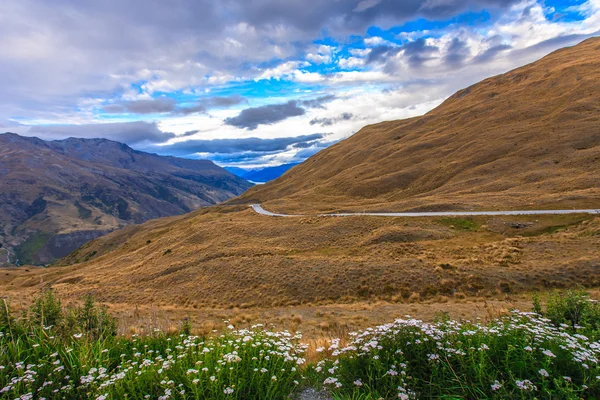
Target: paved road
x=262 y=211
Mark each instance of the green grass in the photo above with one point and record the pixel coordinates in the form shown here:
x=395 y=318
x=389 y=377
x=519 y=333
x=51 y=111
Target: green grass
x=84 y=213
x=50 y=357
x=461 y=224
x=74 y=353
x=26 y=251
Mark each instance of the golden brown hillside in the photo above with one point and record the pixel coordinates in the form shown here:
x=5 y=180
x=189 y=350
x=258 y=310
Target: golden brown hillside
x=529 y=138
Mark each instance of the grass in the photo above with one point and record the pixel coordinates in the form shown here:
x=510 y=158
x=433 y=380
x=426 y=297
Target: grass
x=74 y=353
x=522 y=355
x=461 y=224
x=27 y=250
x=85 y=361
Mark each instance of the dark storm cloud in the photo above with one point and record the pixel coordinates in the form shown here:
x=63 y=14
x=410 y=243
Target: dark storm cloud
x=331 y=121
x=163 y=105
x=131 y=133
x=213 y=102
x=229 y=146
x=418 y=52
x=356 y=15
x=152 y=106
x=382 y=53
x=319 y=102
x=457 y=52
x=251 y=118
x=491 y=53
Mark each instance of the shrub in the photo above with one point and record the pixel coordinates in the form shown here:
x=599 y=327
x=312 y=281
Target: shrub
x=46 y=310
x=573 y=308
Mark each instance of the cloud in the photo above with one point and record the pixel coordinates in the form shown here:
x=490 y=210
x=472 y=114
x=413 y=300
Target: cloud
x=251 y=118
x=418 y=51
x=132 y=133
x=230 y=146
x=163 y=105
x=319 y=102
x=153 y=106
x=457 y=52
x=382 y=53
x=332 y=121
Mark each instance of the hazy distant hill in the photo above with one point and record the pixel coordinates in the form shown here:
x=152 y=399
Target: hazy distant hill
x=261 y=175
x=527 y=138
x=55 y=196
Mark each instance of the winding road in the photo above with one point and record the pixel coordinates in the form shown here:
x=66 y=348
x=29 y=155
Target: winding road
x=258 y=208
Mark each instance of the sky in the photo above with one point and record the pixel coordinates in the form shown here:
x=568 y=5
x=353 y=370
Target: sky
x=253 y=83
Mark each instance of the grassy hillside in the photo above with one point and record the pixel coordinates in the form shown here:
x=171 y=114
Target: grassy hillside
x=529 y=138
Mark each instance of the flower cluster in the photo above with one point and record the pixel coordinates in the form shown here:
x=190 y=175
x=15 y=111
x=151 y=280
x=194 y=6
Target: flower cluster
x=521 y=355
x=242 y=364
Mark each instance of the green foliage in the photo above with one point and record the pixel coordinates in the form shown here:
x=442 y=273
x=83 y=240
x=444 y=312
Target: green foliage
x=521 y=356
x=186 y=326
x=240 y=365
x=46 y=310
x=461 y=224
x=573 y=308
x=26 y=252
x=7 y=322
x=92 y=319
x=84 y=213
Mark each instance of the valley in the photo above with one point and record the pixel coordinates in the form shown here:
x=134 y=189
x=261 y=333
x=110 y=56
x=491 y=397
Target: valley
x=291 y=200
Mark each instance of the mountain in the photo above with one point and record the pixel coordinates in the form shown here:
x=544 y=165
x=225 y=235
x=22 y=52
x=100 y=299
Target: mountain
x=528 y=138
x=57 y=195
x=262 y=175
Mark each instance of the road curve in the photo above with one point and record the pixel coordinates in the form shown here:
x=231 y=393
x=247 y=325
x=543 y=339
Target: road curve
x=258 y=208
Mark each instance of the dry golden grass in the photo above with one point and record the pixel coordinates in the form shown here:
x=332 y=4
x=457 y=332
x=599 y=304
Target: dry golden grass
x=227 y=257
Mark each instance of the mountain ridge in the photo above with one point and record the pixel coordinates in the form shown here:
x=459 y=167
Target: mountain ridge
x=56 y=195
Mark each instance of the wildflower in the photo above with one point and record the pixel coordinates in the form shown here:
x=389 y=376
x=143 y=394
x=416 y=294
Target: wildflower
x=274 y=378
x=496 y=386
x=228 y=391
x=548 y=353
x=213 y=378
x=525 y=385
x=567 y=378
x=78 y=335
x=358 y=383
x=544 y=373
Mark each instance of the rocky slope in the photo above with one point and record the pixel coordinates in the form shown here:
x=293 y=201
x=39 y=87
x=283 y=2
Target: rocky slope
x=55 y=196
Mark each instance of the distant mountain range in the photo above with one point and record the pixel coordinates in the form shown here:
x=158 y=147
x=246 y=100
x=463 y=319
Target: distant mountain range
x=261 y=175
x=56 y=195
